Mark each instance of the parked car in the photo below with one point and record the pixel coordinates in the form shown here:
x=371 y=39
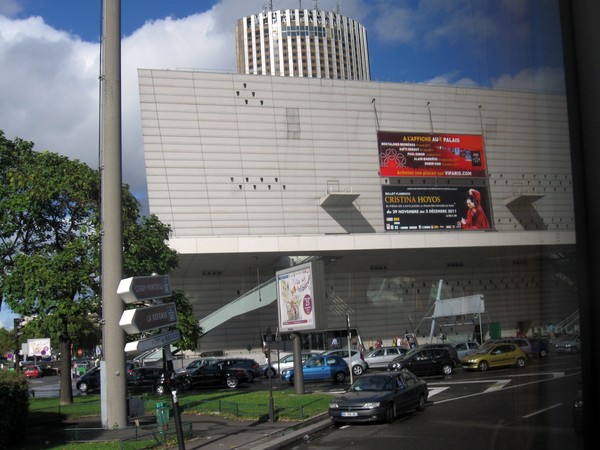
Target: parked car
x=213 y=373
x=357 y=362
x=249 y=364
x=568 y=344
x=285 y=362
x=48 y=370
x=89 y=381
x=426 y=360
x=198 y=363
x=379 y=397
x=523 y=343
x=146 y=379
x=495 y=355
x=465 y=348
x=321 y=367
x=540 y=346
x=33 y=371
x=381 y=357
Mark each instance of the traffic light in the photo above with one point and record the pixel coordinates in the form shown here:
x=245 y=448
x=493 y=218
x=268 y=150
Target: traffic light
x=18 y=330
x=18 y=327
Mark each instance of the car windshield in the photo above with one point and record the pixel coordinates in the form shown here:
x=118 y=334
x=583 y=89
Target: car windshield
x=372 y=384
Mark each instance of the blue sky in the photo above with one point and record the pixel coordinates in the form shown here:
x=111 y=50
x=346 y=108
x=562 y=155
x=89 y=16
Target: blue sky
x=49 y=53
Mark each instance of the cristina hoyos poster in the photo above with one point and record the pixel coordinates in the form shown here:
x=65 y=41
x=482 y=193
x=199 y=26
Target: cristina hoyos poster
x=436 y=208
x=403 y=154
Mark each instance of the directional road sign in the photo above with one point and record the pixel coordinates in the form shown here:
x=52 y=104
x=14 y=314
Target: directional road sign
x=160 y=340
x=148 y=318
x=138 y=289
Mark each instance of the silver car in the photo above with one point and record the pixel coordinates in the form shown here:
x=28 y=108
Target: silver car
x=381 y=357
x=465 y=348
x=357 y=363
x=285 y=362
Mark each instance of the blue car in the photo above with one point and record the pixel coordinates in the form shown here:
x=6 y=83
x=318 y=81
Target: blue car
x=321 y=367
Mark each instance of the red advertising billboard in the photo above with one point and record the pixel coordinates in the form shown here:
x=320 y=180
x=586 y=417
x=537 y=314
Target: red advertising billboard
x=414 y=208
x=430 y=155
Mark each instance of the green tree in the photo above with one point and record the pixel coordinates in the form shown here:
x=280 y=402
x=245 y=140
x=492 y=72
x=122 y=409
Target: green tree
x=50 y=244
x=7 y=341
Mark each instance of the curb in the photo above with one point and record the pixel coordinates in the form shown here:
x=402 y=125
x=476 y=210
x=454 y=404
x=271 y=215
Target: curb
x=292 y=434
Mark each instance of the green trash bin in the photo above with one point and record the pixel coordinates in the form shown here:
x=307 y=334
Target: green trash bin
x=162 y=416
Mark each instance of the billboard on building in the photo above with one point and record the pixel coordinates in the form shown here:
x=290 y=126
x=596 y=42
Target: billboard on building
x=299 y=292
x=403 y=154
x=38 y=347
x=436 y=208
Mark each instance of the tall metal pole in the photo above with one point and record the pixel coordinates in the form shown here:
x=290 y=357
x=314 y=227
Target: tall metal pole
x=114 y=412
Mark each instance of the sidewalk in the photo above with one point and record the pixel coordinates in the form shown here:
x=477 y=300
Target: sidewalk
x=215 y=432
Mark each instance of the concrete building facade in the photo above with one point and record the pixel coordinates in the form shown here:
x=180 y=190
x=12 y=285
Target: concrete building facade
x=302 y=43
x=255 y=174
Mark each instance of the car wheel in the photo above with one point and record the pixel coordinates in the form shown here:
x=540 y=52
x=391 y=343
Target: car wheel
x=160 y=389
x=447 y=369
x=357 y=369
x=543 y=353
x=232 y=381
x=421 y=405
x=483 y=366
x=250 y=376
x=574 y=350
x=270 y=373
x=520 y=362
x=340 y=377
x=83 y=387
x=292 y=380
x=390 y=415
x=186 y=384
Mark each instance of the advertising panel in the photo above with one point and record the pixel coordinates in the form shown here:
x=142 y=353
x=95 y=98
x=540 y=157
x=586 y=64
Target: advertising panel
x=38 y=347
x=298 y=289
x=430 y=155
x=435 y=208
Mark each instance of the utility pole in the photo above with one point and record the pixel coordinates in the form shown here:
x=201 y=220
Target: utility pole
x=114 y=412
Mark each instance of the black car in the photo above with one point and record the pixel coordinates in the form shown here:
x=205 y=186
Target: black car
x=379 y=397
x=146 y=379
x=249 y=364
x=89 y=381
x=426 y=360
x=213 y=374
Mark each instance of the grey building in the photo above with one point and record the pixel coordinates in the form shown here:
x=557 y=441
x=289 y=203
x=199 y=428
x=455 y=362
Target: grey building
x=257 y=173
x=302 y=43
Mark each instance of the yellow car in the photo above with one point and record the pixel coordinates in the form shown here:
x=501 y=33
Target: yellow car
x=495 y=355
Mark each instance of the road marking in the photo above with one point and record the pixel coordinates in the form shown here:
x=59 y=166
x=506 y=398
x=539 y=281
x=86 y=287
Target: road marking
x=437 y=390
x=497 y=386
x=542 y=411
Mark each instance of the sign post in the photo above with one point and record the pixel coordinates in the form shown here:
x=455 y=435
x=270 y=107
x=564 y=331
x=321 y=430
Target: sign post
x=162 y=315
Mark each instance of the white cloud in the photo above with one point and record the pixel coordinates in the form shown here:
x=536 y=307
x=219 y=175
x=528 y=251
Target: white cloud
x=546 y=79
x=50 y=90
x=451 y=79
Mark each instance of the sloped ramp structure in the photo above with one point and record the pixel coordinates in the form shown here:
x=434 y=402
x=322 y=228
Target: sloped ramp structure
x=259 y=297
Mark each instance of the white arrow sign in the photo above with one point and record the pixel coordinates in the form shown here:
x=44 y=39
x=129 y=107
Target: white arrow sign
x=137 y=289
x=136 y=320
x=159 y=340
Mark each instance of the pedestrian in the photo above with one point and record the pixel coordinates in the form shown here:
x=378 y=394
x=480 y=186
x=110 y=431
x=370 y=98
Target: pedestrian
x=394 y=341
x=334 y=343
x=371 y=344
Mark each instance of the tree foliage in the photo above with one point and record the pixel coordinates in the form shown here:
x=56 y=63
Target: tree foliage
x=50 y=244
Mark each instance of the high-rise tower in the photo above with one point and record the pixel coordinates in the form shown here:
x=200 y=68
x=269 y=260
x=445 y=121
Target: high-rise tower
x=302 y=43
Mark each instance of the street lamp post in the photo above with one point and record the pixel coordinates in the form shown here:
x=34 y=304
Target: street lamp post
x=269 y=339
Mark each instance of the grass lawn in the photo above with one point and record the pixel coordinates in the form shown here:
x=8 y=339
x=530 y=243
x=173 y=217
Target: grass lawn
x=45 y=413
x=230 y=403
